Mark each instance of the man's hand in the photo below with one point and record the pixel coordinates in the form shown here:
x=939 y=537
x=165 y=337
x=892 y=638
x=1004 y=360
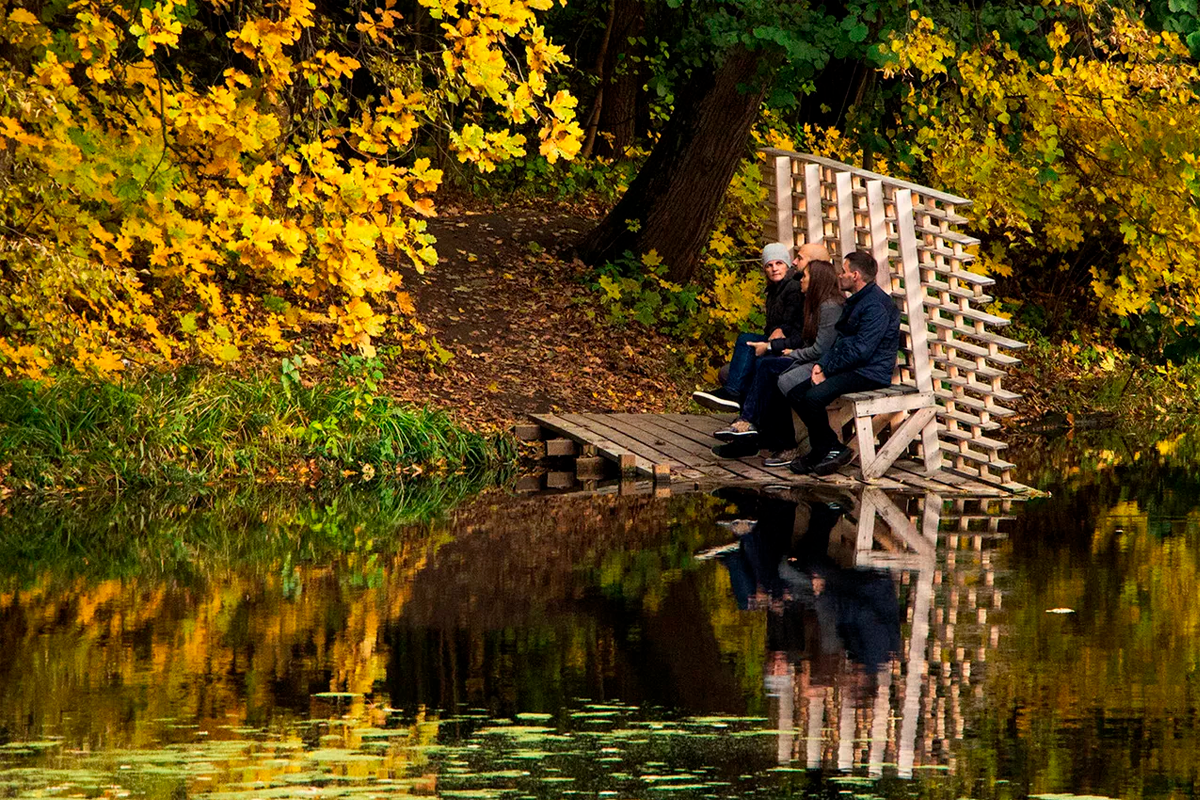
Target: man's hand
x=760 y=348
x=776 y=334
x=818 y=376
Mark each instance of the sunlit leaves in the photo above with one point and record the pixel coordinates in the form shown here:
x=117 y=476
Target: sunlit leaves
x=1095 y=137
x=147 y=212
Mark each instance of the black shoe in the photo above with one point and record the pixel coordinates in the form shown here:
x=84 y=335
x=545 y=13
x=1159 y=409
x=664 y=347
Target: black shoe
x=834 y=460
x=739 y=449
x=803 y=465
x=718 y=400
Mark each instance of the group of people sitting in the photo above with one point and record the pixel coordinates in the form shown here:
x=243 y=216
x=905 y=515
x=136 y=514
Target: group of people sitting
x=830 y=331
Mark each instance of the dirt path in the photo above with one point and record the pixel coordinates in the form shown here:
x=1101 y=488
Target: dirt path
x=525 y=332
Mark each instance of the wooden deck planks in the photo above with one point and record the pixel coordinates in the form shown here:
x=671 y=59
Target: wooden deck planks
x=682 y=443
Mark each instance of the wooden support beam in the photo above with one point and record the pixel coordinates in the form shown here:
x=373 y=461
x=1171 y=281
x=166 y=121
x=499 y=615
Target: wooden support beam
x=814 y=215
x=560 y=447
x=785 y=203
x=845 y=213
x=589 y=467
x=898 y=442
x=529 y=432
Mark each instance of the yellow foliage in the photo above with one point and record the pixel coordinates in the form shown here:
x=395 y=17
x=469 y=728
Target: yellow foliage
x=1098 y=141
x=147 y=215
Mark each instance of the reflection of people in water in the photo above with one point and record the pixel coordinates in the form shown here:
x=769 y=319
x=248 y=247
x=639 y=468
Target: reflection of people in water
x=821 y=617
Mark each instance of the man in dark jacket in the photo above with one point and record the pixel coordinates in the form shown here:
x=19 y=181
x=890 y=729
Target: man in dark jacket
x=863 y=357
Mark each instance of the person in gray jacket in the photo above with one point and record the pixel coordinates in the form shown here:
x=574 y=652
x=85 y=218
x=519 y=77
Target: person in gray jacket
x=823 y=302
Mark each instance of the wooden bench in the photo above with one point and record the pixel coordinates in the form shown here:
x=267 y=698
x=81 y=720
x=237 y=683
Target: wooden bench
x=904 y=411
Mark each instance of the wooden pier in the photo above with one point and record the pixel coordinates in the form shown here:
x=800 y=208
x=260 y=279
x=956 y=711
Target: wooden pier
x=935 y=425
x=674 y=451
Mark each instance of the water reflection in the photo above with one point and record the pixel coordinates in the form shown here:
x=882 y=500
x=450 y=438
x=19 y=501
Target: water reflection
x=754 y=643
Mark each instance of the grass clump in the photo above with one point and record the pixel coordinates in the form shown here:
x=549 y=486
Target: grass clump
x=198 y=426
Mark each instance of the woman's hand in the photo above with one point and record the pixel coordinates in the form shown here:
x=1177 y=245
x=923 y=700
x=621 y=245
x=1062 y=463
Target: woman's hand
x=760 y=348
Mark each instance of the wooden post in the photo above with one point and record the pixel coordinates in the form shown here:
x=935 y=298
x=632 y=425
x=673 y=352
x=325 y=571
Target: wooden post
x=918 y=328
x=813 y=212
x=785 y=204
x=879 y=237
x=845 y=213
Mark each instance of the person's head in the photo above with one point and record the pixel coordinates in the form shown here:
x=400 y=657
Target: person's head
x=809 y=252
x=858 y=269
x=775 y=259
x=819 y=281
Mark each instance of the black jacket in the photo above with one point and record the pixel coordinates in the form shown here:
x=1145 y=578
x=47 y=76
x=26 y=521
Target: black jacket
x=785 y=310
x=868 y=336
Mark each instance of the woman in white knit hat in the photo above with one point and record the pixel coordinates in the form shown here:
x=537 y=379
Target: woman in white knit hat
x=785 y=317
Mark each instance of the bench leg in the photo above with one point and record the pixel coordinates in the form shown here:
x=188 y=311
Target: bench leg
x=931 y=446
x=901 y=437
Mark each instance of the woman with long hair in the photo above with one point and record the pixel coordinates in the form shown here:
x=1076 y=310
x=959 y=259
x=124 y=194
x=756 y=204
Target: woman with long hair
x=823 y=302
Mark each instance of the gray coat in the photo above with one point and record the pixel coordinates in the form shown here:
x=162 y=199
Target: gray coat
x=805 y=357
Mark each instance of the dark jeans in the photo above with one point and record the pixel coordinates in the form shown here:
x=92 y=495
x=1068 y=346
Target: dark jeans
x=766 y=375
x=741 y=364
x=775 y=426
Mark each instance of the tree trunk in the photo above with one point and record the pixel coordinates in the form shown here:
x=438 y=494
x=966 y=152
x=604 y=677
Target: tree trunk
x=671 y=204
x=623 y=79
x=602 y=73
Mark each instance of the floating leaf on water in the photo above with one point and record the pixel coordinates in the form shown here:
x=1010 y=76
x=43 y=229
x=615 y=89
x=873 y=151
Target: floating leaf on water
x=1062 y=611
x=514 y=730
x=530 y=754
x=535 y=717
x=336 y=695
x=676 y=787
x=339 y=755
x=473 y=793
x=726 y=720
x=682 y=776
x=504 y=773
x=850 y=780
x=556 y=779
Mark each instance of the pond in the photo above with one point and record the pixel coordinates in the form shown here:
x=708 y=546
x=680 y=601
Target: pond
x=423 y=641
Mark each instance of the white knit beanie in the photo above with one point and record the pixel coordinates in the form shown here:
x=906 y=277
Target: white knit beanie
x=776 y=251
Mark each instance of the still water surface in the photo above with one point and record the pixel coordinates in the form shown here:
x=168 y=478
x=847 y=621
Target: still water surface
x=367 y=645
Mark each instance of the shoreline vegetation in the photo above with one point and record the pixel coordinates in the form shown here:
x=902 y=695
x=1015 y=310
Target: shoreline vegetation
x=197 y=426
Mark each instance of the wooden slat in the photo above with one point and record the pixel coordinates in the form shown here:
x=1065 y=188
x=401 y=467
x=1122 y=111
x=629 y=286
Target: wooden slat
x=845 y=214
x=862 y=173
x=664 y=455
x=812 y=199
x=784 y=202
x=697 y=444
x=893 y=403
x=625 y=459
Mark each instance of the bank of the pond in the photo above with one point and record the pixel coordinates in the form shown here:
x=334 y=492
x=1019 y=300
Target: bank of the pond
x=198 y=426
